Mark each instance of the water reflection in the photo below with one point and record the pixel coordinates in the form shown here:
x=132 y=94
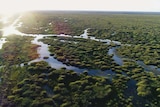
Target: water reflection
x=152 y=68
x=43 y=52
x=12 y=28
x=117 y=59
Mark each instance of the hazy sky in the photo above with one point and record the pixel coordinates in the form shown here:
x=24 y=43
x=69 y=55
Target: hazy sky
x=102 y=5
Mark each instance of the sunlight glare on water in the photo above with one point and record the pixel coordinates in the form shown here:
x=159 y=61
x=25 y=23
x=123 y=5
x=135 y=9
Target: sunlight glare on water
x=10 y=30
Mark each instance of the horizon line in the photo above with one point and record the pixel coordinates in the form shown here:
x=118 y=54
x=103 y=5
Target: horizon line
x=109 y=11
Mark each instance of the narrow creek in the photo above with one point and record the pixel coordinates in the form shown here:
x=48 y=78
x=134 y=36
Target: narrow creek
x=116 y=58
x=119 y=61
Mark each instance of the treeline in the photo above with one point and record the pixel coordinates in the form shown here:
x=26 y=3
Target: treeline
x=126 y=28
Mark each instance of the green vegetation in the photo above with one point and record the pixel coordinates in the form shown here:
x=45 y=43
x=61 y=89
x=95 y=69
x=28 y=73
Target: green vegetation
x=17 y=50
x=149 y=54
x=146 y=83
x=10 y=76
x=38 y=84
x=126 y=28
x=139 y=30
x=83 y=53
x=43 y=86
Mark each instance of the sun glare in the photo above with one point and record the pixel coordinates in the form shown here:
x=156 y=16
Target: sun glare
x=8 y=30
x=10 y=7
x=14 y=6
x=4 y=20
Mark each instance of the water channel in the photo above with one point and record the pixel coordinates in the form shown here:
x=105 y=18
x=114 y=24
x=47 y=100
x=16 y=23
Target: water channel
x=43 y=50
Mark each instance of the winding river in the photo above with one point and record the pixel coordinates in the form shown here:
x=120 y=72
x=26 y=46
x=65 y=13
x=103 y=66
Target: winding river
x=43 y=50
